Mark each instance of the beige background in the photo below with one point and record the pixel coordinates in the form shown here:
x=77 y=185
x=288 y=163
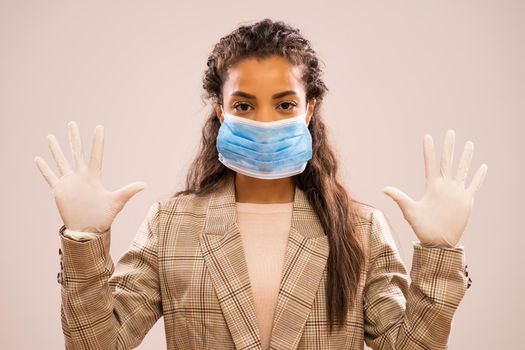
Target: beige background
x=395 y=70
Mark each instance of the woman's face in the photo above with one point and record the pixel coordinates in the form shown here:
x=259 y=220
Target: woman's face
x=267 y=90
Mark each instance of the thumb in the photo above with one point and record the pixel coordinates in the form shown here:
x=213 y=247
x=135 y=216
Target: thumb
x=402 y=199
x=124 y=193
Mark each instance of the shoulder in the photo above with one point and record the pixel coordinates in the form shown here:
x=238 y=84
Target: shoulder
x=183 y=204
x=367 y=214
x=373 y=224
x=364 y=214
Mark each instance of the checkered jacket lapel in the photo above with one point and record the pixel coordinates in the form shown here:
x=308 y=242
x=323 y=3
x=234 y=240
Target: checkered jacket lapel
x=305 y=260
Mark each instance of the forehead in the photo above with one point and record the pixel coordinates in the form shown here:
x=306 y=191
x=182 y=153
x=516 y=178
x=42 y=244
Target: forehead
x=274 y=73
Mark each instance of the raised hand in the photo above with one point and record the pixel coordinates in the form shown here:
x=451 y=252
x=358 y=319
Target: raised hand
x=440 y=217
x=83 y=202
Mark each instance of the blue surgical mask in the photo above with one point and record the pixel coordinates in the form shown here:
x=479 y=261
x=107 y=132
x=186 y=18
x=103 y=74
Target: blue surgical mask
x=265 y=150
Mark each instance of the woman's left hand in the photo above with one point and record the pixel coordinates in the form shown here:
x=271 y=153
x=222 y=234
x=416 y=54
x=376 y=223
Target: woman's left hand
x=440 y=217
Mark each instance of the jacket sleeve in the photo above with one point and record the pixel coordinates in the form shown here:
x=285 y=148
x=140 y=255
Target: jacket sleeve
x=108 y=307
x=416 y=312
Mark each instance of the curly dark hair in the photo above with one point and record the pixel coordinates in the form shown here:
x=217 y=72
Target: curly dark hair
x=320 y=180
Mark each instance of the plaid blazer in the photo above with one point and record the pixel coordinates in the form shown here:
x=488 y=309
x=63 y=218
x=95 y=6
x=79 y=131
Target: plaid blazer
x=186 y=263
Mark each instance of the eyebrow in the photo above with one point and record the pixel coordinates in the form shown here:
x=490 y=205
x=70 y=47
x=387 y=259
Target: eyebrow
x=274 y=96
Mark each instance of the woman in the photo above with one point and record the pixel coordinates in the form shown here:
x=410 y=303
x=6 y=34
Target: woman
x=264 y=249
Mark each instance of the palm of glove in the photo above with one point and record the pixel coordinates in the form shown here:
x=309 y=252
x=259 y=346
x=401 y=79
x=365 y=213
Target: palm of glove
x=441 y=215
x=83 y=202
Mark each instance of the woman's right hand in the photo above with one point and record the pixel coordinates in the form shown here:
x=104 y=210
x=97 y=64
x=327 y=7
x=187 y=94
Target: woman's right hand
x=83 y=202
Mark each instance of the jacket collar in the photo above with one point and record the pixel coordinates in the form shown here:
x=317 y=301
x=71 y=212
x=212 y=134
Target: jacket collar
x=305 y=261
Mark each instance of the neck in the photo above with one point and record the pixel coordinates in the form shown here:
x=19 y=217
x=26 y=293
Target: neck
x=253 y=190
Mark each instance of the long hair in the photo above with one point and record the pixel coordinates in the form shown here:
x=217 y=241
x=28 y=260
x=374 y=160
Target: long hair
x=320 y=179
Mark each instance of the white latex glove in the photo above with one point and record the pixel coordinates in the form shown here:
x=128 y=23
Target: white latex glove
x=83 y=202
x=81 y=235
x=440 y=217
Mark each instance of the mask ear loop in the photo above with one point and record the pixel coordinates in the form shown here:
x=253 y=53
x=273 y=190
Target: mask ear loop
x=222 y=110
x=306 y=113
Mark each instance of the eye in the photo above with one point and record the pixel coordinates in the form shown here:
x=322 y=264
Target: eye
x=235 y=106
x=289 y=104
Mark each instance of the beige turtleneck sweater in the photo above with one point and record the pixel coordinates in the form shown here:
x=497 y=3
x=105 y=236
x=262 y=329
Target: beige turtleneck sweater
x=264 y=230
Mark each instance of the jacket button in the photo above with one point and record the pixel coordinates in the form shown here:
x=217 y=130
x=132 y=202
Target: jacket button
x=59 y=277
x=60 y=251
x=61 y=265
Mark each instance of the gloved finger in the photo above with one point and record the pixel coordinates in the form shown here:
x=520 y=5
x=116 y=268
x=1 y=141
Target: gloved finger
x=447 y=157
x=46 y=171
x=76 y=145
x=97 y=149
x=429 y=157
x=464 y=162
x=58 y=155
x=478 y=179
x=404 y=202
x=125 y=193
